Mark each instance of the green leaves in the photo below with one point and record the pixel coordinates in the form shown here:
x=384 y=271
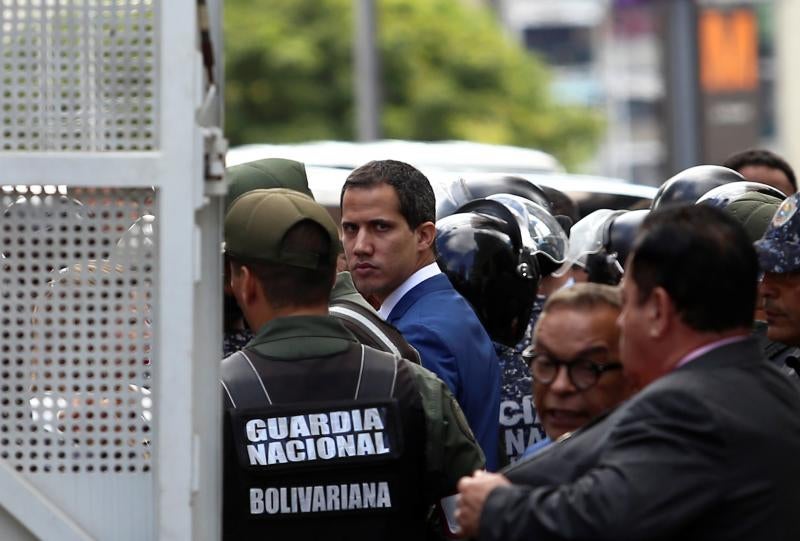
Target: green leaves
x=449 y=72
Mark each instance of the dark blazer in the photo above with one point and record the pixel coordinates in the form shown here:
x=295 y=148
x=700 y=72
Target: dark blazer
x=452 y=343
x=709 y=451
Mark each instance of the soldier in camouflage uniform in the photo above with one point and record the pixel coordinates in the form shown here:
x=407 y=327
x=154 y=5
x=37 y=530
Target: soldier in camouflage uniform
x=779 y=258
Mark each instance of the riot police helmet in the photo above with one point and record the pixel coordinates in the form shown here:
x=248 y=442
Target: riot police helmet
x=600 y=243
x=587 y=240
x=622 y=232
x=542 y=234
x=469 y=188
x=686 y=187
x=481 y=250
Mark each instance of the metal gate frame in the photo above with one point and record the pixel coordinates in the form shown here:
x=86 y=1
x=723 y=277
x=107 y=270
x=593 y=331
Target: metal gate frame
x=187 y=453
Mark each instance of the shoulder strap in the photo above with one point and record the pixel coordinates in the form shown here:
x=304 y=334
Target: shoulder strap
x=245 y=388
x=357 y=315
x=377 y=376
x=242 y=383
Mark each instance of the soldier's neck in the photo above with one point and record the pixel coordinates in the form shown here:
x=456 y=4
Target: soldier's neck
x=266 y=313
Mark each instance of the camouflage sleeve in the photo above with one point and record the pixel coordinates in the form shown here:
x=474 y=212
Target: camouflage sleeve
x=452 y=451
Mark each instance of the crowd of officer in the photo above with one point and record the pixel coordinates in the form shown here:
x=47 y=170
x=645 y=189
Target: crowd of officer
x=491 y=365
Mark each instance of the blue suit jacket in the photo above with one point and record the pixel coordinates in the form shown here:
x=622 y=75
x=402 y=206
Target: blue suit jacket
x=440 y=323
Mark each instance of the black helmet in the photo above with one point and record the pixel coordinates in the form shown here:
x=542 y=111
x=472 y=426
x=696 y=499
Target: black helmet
x=689 y=185
x=600 y=243
x=724 y=195
x=467 y=189
x=542 y=233
x=622 y=232
x=482 y=253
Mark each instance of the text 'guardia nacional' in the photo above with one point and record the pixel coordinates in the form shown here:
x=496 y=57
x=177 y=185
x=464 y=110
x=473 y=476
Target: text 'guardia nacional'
x=316 y=436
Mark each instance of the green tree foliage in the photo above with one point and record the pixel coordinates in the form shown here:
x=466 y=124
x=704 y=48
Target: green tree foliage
x=449 y=72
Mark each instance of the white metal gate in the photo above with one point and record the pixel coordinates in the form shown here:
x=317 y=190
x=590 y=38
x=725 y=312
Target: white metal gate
x=109 y=270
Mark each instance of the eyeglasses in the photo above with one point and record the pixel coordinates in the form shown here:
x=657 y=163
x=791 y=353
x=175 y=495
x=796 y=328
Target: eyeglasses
x=583 y=373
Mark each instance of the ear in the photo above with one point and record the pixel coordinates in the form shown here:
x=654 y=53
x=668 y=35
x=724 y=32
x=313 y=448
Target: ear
x=244 y=285
x=660 y=312
x=426 y=236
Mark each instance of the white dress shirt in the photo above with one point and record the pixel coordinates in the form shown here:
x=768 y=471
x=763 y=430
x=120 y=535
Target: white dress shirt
x=428 y=271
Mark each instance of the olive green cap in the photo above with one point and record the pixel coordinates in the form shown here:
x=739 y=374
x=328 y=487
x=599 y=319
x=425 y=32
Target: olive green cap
x=258 y=221
x=265 y=174
x=754 y=211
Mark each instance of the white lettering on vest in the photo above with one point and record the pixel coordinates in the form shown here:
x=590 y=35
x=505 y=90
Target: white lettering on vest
x=271 y=499
x=255 y=430
x=275 y=453
x=319 y=424
x=372 y=419
x=332 y=495
x=257 y=454
x=340 y=422
x=304 y=494
x=365 y=445
x=294 y=451
x=326 y=448
x=316 y=436
x=298 y=427
x=346 y=445
x=354 y=501
x=278 y=428
x=256 y=501
x=320 y=498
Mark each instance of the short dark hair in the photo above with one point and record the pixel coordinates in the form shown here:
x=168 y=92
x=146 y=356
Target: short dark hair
x=417 y=200
x=705 y=262
x=288 y=285
x=758 y=156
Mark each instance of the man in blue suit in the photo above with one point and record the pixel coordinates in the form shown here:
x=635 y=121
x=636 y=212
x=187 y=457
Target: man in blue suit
x=388 y=232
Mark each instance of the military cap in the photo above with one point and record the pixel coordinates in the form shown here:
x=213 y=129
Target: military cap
x=779 y=248
x=265 y=174
x=754 y=211
x=258 y=221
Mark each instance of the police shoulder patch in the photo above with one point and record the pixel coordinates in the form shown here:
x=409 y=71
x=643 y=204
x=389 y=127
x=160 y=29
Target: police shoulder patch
x=785 y=212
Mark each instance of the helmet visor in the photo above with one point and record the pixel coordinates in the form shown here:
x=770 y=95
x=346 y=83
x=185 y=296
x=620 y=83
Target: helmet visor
x=586 y=236
x=541 y=232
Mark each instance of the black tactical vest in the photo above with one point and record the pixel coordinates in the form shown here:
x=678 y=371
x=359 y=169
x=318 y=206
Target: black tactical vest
x=329 y=448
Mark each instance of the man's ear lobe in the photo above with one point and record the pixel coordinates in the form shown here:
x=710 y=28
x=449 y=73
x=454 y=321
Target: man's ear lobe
x=661 y=310
x=426 y=235
x=247 y=284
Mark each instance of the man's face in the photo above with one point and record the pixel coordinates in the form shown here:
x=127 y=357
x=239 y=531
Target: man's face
x=568 y=334
x=768 y=175
x=382 y=250
x=781 y=294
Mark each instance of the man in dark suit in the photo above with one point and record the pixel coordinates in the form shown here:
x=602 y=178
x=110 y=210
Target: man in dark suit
x=388 y=233
x=707 y=450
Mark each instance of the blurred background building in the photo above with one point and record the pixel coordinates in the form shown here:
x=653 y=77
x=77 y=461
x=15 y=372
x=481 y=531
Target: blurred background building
x=680 y=81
